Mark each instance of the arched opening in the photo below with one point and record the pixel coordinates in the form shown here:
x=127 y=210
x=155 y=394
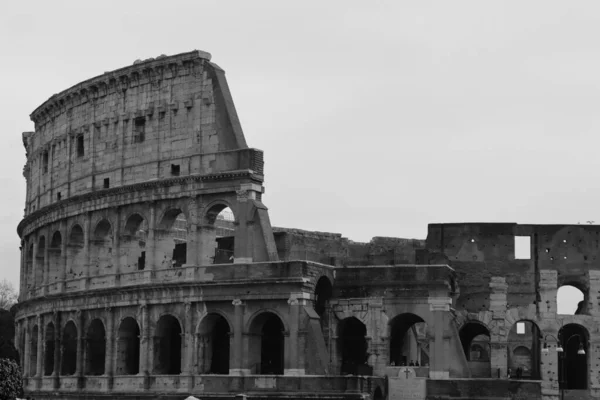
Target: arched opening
x=267 y=344
x=167 y=346
x=171 y=239
x=101 y=249
x=69 y=349
x=128 y=347
x=323 y=292
x=224 y=224
x=570 y=300
x=49 y=350
x=213 y=345
x=352 y=346
x=54 y=257
x=33 y=352
x=475 y=339
x=524 y=350
x=75 y=254
x=40 y=257
x=95 y=350
x=29 y=265
x=133 y=243
x=408 y=340
x=573 y=362
x=378 y=394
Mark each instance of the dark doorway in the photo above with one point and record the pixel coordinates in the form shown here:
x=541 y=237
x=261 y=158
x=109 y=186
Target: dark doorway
x=271 y=355
x=475 y=339
x=352 y=344
x=128 y=349
x=167 y=351
x=33 y=352
x=95 y=348
x=404 y=339
x=69 y=349
x=49 y=354
x=572 y=364
x=323 y=291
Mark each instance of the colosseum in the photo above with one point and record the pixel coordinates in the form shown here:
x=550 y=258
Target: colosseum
x=150 y=269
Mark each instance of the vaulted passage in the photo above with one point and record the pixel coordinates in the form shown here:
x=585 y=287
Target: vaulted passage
x=75 y=253
x=101 y=249
x=69 y=349
x=171 y=239
x=33 y=351
x=267 y=344
x=573 y=361
x=54 y=257
x=167 y=346
x=475 y=339
x=524 y=350
x=352 y=345
x=323 y=292
x=128 y=347
x=213 y=345
x=224 y=229
x=95 y=350
x=49 y=350
x=133 y=244
x=408 y=340
x=40 y=258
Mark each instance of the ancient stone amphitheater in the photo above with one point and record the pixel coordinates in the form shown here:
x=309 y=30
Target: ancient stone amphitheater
x=150 y=269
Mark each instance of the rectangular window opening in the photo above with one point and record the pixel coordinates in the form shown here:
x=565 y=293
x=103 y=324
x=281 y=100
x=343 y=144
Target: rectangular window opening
x=45 y=161
x=106 y=183
x=520 y=328
x=58 y=196
x=139 y=130
x=80 y=147
x=175 y=169
x=522 y=247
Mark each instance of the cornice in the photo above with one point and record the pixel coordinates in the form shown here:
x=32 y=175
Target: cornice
x=99 y=194
x=152 y=70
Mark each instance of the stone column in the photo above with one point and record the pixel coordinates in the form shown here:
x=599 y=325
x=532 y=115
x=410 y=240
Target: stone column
x=86 y=247
x=40 y=347
x=27 y=349
x=187 y=346
x=144 y=341
x=498 y=356
x=439 y=362
x=116 y=251
x=192 y=236
x=150 y=240
x=34 y=271
x=46 y=276
x=79 y=367
x=243 y=232
x=63 y=254
x=236 y=360
x=108 y=360
x=291 y=362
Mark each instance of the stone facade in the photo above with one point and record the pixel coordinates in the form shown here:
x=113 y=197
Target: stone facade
x=133 y=284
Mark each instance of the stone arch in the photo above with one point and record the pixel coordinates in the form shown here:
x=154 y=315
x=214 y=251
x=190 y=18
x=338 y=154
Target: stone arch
x=133 y=243
x=101 y=248
x=476 y=333
x=54 y=256
x=323 y=293
x=128 y=347
x=525 y=334
x=573 y=368
x=167 y=345
x=267 y=344
x=218 y=233
x=75 y=254
x=40 y=258
x=95 y=349
x=33 y=352
x=407 y=334
x=50 y=340
x=69 y=348
x=574 y=284
x=171 y=238
x=29 y=264
x=214 y=335
x=352 y=345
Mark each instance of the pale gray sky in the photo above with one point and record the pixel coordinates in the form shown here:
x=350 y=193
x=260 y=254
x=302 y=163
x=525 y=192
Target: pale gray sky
x=376 y=118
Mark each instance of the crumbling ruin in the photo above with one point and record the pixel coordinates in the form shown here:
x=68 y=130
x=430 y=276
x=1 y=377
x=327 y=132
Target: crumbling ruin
x=135 y=283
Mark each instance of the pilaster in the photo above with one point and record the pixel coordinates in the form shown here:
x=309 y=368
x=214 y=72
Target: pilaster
x=237 y=358
x=439 y=362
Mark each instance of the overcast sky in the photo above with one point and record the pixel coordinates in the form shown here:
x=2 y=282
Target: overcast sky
x=376 y=118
